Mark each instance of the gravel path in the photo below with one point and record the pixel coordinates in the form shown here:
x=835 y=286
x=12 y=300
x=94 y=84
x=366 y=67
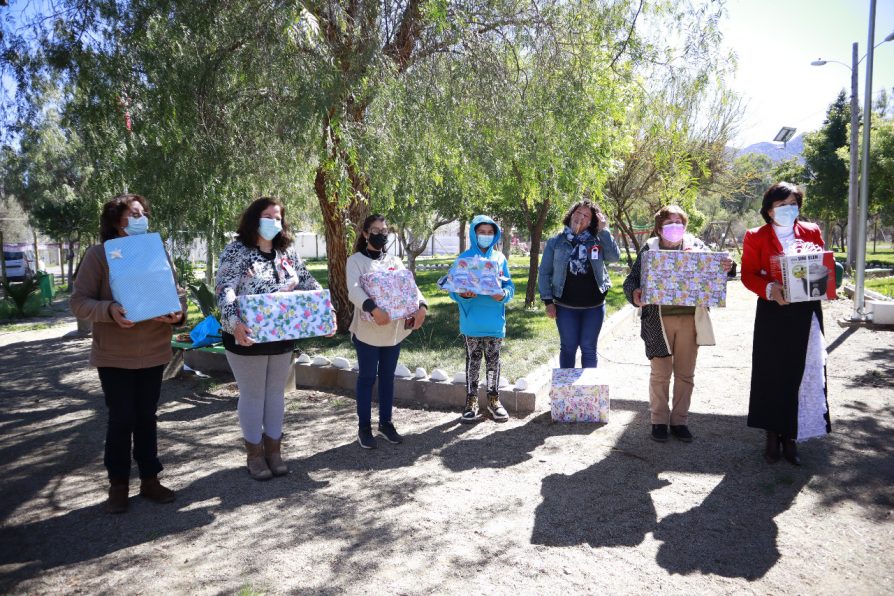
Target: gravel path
x=524 y=507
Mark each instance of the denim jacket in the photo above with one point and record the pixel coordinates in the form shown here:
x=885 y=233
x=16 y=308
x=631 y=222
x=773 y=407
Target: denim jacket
x=554 y=264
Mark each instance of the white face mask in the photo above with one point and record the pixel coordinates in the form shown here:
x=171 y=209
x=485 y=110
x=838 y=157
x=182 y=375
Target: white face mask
x=485 y=240
x=785 y=215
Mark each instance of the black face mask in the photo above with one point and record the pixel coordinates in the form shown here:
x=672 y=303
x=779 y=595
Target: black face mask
x=378 y=241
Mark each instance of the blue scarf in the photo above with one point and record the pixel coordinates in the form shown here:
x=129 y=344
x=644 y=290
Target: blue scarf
x=579 y=256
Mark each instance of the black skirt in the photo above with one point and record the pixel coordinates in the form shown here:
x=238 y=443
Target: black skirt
x=777 y=364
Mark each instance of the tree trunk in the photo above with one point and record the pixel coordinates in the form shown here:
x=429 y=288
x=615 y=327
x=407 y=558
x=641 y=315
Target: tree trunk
x=507 y=241
x=36 y=251
x=463 y=224
x=336 y=252
x=71 y=253
x=536 y=230
x=625 y=234
x=209 y=260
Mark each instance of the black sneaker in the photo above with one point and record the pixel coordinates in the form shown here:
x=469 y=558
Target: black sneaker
x=470 y=412
x=387 y=430
x=496 y=409
x=659 y=433
x=681 y=432
x=365 y=438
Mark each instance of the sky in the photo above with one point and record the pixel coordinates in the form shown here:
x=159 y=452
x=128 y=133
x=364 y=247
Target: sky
x=775 y=41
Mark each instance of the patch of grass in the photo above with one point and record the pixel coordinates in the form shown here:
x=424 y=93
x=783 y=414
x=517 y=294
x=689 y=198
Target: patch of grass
x=882 y=285
x=882 y=257
x=250 y=591
x=17 y=327
x=531 y=337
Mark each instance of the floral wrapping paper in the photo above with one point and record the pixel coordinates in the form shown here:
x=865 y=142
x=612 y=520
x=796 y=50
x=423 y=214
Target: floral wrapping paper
x=287 y=315
x=579 y=395
x=683 y=278
x=394 y=291
x=473 y=274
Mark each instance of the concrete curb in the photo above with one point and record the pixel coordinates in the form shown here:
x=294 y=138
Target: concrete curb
x=424 y=393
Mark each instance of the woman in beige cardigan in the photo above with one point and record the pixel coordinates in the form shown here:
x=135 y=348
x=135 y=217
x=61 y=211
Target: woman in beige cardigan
x=378 y=341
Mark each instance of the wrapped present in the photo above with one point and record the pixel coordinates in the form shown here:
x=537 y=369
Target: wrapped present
x=473 y=274
x=141 y=277
x=394 y=291
x=579 y=395
x=806 y=272
x=287 y=315
x=683 y=278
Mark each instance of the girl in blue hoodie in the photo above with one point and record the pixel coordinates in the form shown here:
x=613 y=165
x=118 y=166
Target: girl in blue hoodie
x=482 y=322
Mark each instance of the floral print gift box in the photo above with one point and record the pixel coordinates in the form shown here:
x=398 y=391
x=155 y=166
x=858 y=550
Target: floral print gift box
x=683 y=278
x=579 y=395
x=394 y=291
x=287 y=315
x=473 y=274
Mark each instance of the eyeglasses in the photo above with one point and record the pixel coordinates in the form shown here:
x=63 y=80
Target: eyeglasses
x=379 y=231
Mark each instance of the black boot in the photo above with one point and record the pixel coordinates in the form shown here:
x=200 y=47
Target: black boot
x=790 y=451
x=771 y=451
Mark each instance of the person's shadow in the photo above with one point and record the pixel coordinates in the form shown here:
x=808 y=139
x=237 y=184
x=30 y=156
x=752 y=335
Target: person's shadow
x=732 y=532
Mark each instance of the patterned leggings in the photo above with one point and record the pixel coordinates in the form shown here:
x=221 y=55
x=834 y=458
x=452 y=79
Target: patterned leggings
x=476 y=347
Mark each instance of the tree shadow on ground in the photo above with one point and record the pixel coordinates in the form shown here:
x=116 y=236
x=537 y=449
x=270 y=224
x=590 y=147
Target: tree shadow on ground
x=882 y=372
x=732 y=532
x=510 y=447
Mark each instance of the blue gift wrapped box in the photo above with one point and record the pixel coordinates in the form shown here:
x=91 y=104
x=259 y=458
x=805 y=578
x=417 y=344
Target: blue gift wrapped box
x=141 y=277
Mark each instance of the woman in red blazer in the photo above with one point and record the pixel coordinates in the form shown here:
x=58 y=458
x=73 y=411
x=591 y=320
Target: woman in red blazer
x=788 y=375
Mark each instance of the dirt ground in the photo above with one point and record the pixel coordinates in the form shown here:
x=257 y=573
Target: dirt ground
x=524 y=507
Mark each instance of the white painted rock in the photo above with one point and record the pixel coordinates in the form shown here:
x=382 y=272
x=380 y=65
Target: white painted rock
x=521 y=384
x=420 y=373
x=303 y=359
x=504 y=382
x=340 y=362
x=320 y=361
x=459 y=377
x=402 y=371
x=438 y=375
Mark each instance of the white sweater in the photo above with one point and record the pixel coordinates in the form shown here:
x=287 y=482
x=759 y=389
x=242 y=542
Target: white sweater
x=368 y=331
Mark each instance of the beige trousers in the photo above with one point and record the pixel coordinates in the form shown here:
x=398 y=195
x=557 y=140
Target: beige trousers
x=680 y=331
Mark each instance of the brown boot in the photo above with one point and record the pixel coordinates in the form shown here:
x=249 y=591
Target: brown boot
x=151 y=488
x=790 y=451
x=257 y=466
x=273 y=457
x=118 y=494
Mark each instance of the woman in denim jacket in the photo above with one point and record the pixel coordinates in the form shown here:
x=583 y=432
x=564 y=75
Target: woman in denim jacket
x=574 y=281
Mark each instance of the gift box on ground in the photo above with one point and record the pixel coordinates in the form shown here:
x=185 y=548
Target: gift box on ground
x=394 y=291
x=805 y=276
x=140 y=276
x=287 y=315
x=473 y=274
x=683 y=278
x=579 y=395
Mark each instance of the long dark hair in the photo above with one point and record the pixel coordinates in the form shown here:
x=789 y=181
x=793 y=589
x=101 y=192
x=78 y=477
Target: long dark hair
x=247 y=232
x=594 y=212
x=360 y=242
x=779 y=192
x=110 y=218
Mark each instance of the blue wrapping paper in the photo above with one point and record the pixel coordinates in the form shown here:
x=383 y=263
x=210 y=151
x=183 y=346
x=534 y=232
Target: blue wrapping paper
x=140 y=276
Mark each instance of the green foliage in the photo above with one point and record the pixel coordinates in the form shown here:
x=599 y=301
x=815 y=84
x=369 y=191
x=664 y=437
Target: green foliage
x=205 y=299
x=825 y=172
x=18 y=295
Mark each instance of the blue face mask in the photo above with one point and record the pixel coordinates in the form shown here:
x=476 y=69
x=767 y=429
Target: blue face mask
x=268 y=228
x=485 y=240
x=785 y=215
x=137 y=225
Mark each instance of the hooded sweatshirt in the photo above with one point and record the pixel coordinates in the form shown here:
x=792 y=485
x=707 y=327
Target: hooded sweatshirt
x=482 y=316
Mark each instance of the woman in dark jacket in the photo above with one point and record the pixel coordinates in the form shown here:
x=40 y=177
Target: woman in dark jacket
x=573 y=281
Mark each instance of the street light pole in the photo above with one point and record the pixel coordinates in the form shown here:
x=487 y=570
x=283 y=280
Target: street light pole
x=852 y=182
x=859 y=313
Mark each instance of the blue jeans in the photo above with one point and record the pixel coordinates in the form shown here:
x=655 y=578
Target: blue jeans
x=579 y=328
x=374 y=361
